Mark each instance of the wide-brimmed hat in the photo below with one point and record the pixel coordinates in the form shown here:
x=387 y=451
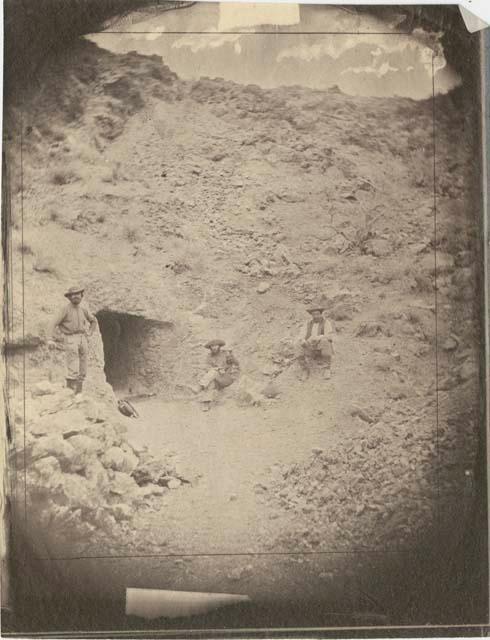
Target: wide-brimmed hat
x=312 y=309
x=73 y=290
x=317 y=305
x=215 y=343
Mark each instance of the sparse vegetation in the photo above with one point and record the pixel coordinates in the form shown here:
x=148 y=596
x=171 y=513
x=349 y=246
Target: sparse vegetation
x=63 y=175
x=358 y=234
x=131 y=233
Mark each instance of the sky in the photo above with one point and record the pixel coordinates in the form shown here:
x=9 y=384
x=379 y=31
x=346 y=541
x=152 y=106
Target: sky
x=360 y=54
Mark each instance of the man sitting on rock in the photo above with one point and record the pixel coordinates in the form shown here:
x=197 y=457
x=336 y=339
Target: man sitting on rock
x=316 y=343
x=75 y=323
x=223 y=370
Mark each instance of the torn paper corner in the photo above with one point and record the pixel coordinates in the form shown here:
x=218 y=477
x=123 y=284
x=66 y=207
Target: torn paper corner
x=477 y=18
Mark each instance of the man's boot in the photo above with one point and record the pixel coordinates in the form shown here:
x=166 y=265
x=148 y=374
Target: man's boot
x=78 y=386
x=70 y=384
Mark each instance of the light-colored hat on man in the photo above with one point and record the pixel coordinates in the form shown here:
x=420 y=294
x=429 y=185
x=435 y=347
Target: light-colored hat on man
x=215 y=343
x=320 y=304
x=72 y=291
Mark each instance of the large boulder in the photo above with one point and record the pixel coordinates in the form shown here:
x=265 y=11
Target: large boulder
x=44 y=388
x=55 y=446
x=122 y=484
x=97 y=475
x=86 y=451
x=118 y=459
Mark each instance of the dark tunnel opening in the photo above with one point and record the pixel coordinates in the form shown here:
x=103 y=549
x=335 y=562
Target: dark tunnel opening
x=125 y=338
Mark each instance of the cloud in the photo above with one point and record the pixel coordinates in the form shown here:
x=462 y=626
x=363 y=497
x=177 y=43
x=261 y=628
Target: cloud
x=424 y=48
x=380 y=71
x=332 y=47
x=209 y=41
x=152 y=36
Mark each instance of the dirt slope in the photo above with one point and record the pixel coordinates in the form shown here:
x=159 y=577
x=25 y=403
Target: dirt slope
x=180 y=202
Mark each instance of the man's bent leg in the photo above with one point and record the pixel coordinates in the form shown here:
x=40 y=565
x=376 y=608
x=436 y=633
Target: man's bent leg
x=325 y=358
x=206 y=380
x=302 y=356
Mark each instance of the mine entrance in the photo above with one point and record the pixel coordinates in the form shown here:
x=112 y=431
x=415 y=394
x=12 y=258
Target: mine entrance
x=131 y=350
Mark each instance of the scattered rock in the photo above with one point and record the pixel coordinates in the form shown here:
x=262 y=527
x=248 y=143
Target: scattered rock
x=363 y=415
x=371 y=330
x=47 y=467
x=271 y=391
x=174 y=483
x=450 y=344
x=468 y=370
x=247 y=394
x=122 y=511
x=263 y=287
x=86 y=450
x=123 y=484
x=44 y=388
x=97 y=475
x=53 y=446
x=378 y=247
x=152 y=490
x=342 y=312
x=119 y=460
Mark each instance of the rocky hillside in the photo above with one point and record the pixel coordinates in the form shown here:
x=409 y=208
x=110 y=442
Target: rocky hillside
x=198 y=209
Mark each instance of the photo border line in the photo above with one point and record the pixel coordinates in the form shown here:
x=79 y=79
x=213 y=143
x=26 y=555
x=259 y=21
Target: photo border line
x=223 y=554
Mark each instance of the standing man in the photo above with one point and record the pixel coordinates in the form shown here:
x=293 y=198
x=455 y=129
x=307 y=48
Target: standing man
x=316 y=343
x=75 y=323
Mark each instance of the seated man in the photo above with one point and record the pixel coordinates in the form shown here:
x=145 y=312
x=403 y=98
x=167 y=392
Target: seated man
x=316 y=343
x=223 y=371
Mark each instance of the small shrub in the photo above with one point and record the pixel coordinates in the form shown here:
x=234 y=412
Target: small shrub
x=187 y=257
x=131 y=233
x=101 y=218
x=63 y=176
x=54 y=216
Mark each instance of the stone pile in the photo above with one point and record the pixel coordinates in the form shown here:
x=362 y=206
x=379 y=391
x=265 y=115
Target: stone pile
x=83 y=478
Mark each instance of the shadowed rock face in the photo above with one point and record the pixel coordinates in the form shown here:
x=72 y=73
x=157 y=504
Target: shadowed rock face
x=206 y=207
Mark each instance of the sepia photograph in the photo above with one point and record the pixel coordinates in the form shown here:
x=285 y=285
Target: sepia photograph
x=243 y=320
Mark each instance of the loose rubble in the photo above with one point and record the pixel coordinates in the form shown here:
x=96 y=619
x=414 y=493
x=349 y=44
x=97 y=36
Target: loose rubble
x=82 y=477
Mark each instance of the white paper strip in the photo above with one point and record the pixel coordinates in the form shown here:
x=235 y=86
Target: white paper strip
x=235 y=15
x=159 y=603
